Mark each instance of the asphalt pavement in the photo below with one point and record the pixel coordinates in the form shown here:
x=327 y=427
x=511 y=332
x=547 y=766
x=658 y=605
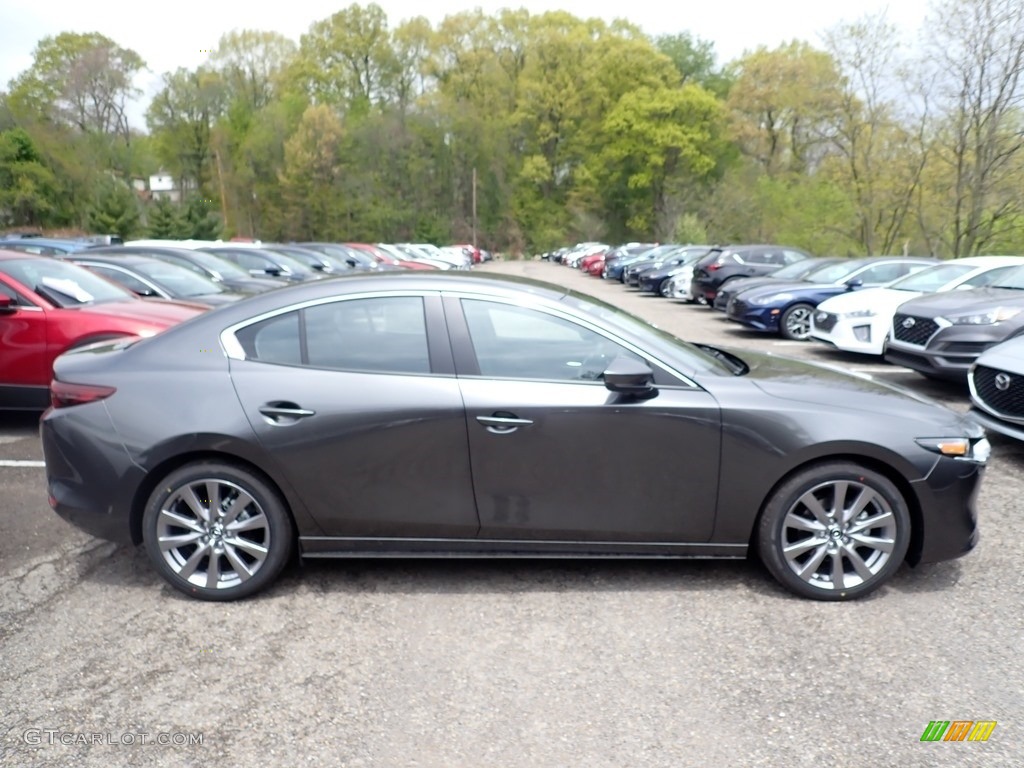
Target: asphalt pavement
x=524 y=663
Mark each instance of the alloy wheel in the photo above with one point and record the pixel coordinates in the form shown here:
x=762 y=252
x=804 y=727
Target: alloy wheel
x=838 y=535
x=213 y=534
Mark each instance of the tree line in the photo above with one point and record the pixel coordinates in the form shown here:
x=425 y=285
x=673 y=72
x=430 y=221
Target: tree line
x=533 y=130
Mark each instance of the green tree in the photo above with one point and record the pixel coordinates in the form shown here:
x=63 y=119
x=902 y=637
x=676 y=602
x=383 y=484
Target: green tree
x=116 y=210
x=695 y=60
x=80 y=80
x=312 y=169
x=28 y=189
x=200 y=221
x=164 y=221
x=660 y=143
x=181 y=118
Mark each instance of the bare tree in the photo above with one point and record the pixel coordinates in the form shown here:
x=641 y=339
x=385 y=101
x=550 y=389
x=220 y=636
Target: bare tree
x=879 y=143
x=976 y=52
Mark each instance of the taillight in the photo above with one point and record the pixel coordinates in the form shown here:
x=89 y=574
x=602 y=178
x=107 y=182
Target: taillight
x=64 y=394
x=712 y=267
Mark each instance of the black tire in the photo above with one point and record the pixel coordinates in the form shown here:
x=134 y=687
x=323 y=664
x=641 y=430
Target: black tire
x=247 y=559
x=816 y=558
x=799 y=317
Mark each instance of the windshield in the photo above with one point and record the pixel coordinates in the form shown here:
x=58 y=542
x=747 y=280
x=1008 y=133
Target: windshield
x=62 y=283
x=219 y=266
x=698 y=358
x=1013 y=280
x=931 y=279
x=177 y=280
x=798 y=270
x=834 y=273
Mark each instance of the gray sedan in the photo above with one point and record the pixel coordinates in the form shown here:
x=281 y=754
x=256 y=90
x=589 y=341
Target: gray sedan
x=459 y=415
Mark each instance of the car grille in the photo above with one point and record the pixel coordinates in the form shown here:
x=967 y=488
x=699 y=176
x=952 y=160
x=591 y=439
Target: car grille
x=736 y=308
x=1009 y=401
x=919 y=331
x=825 y=321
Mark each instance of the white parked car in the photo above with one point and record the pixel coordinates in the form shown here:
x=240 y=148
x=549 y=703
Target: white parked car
x=860 y=320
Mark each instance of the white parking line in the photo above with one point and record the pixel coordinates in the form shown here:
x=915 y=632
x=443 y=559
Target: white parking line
x=15 y=463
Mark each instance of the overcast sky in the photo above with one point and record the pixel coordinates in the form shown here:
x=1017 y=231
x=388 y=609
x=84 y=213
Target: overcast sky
x=173 y=34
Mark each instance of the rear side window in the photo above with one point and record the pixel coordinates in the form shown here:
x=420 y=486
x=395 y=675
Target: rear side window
x=380 y=335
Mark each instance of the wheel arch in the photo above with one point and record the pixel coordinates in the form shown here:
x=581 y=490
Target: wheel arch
x=155 y=475
x=903 y=485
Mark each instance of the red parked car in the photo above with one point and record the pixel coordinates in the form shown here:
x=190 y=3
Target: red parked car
x=593 y=264
x=49 y=306
x=386 y=258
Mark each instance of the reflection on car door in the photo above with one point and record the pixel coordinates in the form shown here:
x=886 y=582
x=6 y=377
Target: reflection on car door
x=557 y=456
x=361 y=417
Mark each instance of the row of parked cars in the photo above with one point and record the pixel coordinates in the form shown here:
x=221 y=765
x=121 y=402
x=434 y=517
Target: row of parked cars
x=59 y=294
x=958 y=320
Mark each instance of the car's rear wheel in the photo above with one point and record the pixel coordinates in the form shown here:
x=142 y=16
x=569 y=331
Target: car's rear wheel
x=217 y=531
x=835 y=531
x=795 y=322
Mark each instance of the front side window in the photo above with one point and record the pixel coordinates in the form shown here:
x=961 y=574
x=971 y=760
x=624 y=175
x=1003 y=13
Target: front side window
x=123 y=278
x=378 y=335
x=521 y=343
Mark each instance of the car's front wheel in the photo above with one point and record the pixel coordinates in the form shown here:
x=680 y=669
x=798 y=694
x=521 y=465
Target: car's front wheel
x=217 y=531
x=834 y=531
x=795 y=323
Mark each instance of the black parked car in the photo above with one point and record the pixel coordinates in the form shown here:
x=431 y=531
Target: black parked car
x=654 y=278
x=940 y=335
x=730 y=262
x=427 y=414
x=152 y=278
x=223 y=272
x=262 y=263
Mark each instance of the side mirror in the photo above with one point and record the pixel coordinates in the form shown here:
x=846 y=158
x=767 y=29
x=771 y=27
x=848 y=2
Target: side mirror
x=629 y=377
x=854 y=283
x=7 y=305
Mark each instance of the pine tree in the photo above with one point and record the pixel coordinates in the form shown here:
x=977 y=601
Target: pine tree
x=166 y=221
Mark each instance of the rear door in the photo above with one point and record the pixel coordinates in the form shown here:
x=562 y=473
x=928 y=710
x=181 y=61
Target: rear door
x=356 y=400
x=23 y=339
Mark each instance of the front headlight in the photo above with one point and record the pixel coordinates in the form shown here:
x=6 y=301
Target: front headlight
x=993 y=316
x=964 y=448
x=772 y=298
x=860 y=313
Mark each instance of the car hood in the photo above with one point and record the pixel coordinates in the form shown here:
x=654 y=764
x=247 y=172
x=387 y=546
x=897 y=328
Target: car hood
x=823 y=384
x=159 y=312
x=217 y=299
x=1007 y=356
x=744 y=283
x=252 y=284
x=879 y=299
x=958 y=302
x=782 y=286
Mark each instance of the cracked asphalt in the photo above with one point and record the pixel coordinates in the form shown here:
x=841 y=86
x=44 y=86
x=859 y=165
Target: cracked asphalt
x=522 y=663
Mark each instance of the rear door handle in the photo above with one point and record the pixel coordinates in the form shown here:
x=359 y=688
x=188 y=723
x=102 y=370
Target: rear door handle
x=502 y=425
x=284 y=413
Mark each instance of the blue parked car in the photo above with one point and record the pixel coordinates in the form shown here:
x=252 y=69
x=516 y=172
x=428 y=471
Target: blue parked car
x=786 y=309
x=45 y=246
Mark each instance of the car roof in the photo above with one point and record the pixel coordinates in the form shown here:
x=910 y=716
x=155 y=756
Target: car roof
x=56 y=242
x=112 y=258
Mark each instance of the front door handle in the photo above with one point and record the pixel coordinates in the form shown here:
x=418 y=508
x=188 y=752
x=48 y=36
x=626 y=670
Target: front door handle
x=502 y=425
x=284 y=413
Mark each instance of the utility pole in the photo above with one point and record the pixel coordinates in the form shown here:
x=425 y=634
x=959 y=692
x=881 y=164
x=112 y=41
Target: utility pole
x=474 y=206
x=223 y=197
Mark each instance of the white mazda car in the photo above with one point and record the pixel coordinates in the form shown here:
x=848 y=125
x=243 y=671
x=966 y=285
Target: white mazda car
x=859 y=321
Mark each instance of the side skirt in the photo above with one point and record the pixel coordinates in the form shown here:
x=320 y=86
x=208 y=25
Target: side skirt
x=327 y=547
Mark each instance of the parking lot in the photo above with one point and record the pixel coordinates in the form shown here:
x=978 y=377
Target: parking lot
x=508 y=663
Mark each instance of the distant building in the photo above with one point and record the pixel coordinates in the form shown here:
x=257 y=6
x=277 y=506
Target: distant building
x=162 y=186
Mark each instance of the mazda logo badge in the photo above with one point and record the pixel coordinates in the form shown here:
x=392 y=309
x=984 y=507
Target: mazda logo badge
x=1003 y=381
x=909 y=322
